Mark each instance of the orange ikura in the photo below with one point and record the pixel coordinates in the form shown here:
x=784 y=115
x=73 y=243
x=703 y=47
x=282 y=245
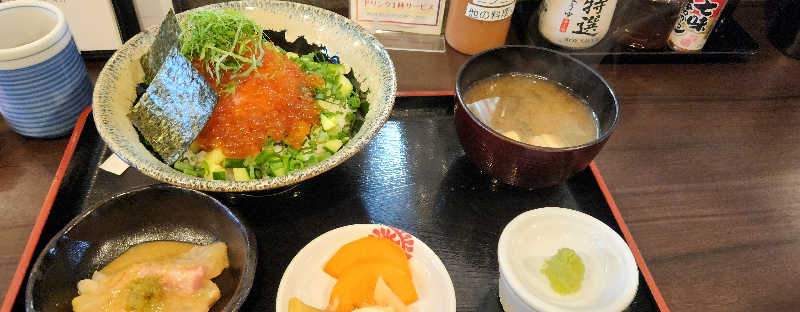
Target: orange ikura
x=275 y=101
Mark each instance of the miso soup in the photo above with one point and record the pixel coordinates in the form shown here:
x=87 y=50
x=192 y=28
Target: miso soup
x=532 y=110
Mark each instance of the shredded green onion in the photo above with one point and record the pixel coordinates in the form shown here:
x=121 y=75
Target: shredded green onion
x=223 y=40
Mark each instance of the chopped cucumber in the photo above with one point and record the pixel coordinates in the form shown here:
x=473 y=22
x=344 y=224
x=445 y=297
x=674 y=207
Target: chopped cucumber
x=240 y=174
x=324 y=155
x=333 y=145
x=278 y=168
x=344 y=86
x=220 y=175
x=327 y=106
x=211 y=169
x=322 y=137
x=215 y=157
x=337 y=68
x=328 y=123
x=233 y=163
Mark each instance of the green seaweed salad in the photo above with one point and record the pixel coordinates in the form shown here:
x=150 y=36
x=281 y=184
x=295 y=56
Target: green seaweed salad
x=222 y=39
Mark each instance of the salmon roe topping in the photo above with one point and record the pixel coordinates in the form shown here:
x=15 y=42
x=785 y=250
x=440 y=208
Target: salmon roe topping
x=276 y=100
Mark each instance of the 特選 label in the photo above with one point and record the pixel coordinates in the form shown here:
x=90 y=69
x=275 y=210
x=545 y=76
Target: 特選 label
x=575 y=24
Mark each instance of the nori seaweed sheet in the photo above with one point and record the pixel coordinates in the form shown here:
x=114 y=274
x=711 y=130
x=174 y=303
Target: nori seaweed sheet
x=166 y=38
x=299 y=45
x=175 y=108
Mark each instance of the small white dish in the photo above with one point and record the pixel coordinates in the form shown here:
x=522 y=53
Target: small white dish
x=611 y=276
x=305 y=279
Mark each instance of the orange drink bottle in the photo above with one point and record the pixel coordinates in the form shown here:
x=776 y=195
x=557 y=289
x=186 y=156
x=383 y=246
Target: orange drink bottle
x=476 y=25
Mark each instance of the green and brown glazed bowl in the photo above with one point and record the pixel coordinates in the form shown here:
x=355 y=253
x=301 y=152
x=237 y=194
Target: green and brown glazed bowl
x=115 y=90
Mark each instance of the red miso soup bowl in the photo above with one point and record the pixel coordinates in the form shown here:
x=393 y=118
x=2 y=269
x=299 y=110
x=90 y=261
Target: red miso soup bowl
x=524 y=165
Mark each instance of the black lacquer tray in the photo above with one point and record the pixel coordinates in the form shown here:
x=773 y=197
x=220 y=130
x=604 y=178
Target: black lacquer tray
x=413 y=176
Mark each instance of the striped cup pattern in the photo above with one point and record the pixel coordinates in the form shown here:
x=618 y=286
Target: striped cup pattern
x=44 y=85
x=45 y=99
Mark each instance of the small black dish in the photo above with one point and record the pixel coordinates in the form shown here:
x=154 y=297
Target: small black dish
x=159 y=212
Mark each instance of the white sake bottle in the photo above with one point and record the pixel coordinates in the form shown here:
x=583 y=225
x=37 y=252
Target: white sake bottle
x=575 y=24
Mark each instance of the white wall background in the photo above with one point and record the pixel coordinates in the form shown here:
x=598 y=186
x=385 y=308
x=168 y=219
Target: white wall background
x=151 y=12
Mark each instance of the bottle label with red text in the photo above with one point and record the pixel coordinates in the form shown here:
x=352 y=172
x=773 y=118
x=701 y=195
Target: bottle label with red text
x=489 y=10
x=696 y=20
x=575 y=23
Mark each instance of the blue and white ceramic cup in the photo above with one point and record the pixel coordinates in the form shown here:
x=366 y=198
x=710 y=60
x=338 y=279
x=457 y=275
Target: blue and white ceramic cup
x=44 y=85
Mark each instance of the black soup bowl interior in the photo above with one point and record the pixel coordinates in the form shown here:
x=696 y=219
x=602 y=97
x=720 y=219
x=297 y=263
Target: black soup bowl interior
x=154 y=213
x=521 y=164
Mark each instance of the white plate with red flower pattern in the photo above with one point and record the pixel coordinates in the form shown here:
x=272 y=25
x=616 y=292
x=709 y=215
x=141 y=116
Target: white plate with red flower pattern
x=305 y=279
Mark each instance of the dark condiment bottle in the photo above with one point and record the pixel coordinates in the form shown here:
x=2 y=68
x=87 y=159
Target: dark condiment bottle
x=645 y=24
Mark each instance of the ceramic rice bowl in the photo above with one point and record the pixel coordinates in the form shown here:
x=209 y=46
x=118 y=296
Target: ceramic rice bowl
x=115 y=92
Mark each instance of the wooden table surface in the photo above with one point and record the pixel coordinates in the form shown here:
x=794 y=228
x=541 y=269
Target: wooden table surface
x=701 y=166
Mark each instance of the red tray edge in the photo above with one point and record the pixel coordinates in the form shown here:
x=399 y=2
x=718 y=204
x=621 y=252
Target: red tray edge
x=426 y=93
x=626 y=233
x=44 y=212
